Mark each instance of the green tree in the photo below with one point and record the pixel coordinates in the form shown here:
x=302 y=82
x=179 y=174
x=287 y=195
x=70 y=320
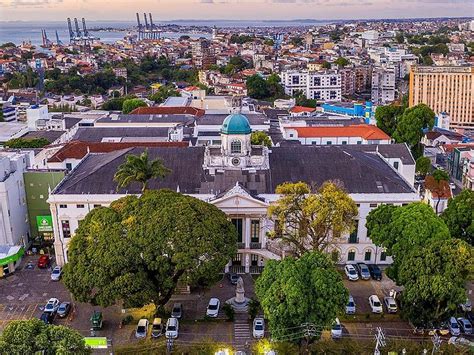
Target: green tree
x=131 y=104
x=18 y=143
x=459 y=216
x=297 y=41
x=260 y=138
x=401 y=229
x=311 y=221
x=387 y=116
x=257 y=87
x=400 y=38
x=434 y=278
x=32 y=336
x=342 y=62
x=296 y=291
x=163 y=93
x=423 y=165
x=136 y=250
x=139 y=169
x=275 y=90
x=410 y=127
x=326 y=65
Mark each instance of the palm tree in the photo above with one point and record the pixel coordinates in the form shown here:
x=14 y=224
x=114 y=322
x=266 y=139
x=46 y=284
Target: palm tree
x=138 y=168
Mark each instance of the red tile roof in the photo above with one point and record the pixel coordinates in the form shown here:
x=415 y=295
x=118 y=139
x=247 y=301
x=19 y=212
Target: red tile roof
x=168 y=110
x=299 y=109
x=365 y=131
x=78 y=149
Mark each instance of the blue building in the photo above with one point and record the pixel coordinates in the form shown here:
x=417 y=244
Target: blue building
x=355 y=110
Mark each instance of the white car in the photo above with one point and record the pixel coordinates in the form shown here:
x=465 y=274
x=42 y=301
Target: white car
x=351 y=306
x=56 y=274
x=454 y=327
x=466 y=306
x=52 y=305
x=172 y=328
x=464 y=325
x=142 y=328
x=390 y=304
x=213 y=307
x=351 y=272
x=258 y=328
x=336 y=330
x=375 y=304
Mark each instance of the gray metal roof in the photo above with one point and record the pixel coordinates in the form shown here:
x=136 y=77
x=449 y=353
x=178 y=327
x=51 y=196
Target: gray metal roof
x=96 y=134
x=359 y=171
x=154 y=118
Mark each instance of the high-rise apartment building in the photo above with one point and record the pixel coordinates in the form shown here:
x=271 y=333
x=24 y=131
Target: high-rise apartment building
x=383 y=85
x=447 y=89
x=323 y=86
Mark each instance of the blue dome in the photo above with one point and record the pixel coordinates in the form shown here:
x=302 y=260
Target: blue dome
x=236 y=123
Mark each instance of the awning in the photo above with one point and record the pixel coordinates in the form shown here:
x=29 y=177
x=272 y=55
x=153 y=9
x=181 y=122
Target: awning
x=10 y=254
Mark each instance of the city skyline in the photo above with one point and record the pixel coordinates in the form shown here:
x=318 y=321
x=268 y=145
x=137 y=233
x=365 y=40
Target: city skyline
x=166 y=10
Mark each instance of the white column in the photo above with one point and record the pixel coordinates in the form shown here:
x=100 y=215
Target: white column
x=246 y=258
x=246 y=237
x=262 y=227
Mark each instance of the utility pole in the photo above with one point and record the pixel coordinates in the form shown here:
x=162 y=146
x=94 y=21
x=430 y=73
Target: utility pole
x=436 y=343
x=379 y=341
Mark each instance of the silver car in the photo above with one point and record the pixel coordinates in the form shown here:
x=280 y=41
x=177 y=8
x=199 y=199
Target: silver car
x=351 y=306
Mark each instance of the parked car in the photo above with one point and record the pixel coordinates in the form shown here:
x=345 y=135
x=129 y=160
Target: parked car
x=258 y=328
x=47 y=317
x=336 y=330
x=52 y=305
x=454 y=327
x=142 y=328
x=375 y=304
x=351 y=272
x=213 y=308
x=375 y=272
x=56 y=274
x=177 y=311
x=390 y=304
x=63 y=309
x=96 y=320
x=233 y=278
x=465 y=325
x=156 y=328
x=466 y=306
x=43 y=261
x=363 y=271
x=351 y=306
x=172 y=327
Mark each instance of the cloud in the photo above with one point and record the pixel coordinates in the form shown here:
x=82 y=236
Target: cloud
x=33 y=3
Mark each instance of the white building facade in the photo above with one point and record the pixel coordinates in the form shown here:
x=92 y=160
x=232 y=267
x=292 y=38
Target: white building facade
x=321 y=86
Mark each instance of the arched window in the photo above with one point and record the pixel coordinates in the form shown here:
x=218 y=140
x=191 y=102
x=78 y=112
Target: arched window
x=236 y=147
x=368 y=255
x=351 y=255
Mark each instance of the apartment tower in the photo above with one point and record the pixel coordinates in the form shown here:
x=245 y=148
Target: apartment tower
x=447 y=89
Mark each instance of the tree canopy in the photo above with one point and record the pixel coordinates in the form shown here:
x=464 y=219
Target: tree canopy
x=459 y=216
x=138 y=168
x=31 y=336
x=438 y=184
x=137 y=249
x=18 y=143
x=434 y=278
x=296 y=291
x=342 y=62
x=265 y=89
x=386 y=117
x=311 y=221
x=163 y=93
x=423 y=165
x=131 y=104
x=260 y=138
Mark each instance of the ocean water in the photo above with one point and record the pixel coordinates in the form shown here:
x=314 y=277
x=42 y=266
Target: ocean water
x=19 y=31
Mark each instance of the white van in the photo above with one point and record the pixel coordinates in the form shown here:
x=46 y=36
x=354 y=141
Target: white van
x=172 y=326
x=142 y=328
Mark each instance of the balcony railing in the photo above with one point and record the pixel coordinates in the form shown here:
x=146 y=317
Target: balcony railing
x=256 y=269
x=240 y=245
x=237 y=269
x=255 y=245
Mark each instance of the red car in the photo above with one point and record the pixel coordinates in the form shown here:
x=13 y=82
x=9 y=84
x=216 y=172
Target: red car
x=43 y=261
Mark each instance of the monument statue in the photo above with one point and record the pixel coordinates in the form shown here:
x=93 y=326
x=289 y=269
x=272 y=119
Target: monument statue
x=240 y=291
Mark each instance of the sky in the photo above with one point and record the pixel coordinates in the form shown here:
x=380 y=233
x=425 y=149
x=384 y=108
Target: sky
x=166 y=10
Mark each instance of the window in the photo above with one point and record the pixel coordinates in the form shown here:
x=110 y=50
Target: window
x=383 y=256
x=95 y=206
x=317 y=95
x=332 y=95
x=353 y=236
x=236 y=147
x=333 y=80
x=238 y=225
x=368 y=255
x=254 y=230
x=62 y=206
x=328 y=142
x=317 y=81
x=295 y=79
x=254 y=260
x=69 y=166
x=351 y=255
x=79 y=206
x=359 y=142
x=65 y=227
x=237 y=259
x=395 y=165
x=373 y=205
x=344 y=142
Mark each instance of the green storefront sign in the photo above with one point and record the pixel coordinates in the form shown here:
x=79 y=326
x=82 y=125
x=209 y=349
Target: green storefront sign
x=44 y=223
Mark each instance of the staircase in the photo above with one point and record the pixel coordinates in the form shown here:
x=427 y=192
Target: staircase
x=242 y=332
x=182 y=289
